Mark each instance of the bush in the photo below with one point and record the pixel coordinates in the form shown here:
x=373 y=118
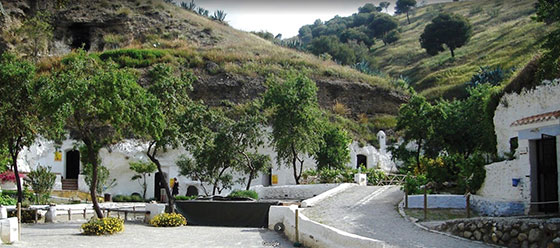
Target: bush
x=42 y=182
x=108 y=225
x=128 y=198
x=185 y=198
x=244 y=193
x=412 y=184
x=27 y=216
x=134 y=57
x=9 y=176
x=168 y=220
x=7 y=200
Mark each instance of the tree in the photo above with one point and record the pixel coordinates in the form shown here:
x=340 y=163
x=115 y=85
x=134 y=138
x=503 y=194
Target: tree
x=369 y=8
x=404 y=6
x=414 y=120
x=142 y=170
x=383 y=24
x=99 y=104
x=246 y=131
x=183 y=117
x=42 y=182
x=36 y=32
x=103 y=181
x=211 y=160
x=294 y=119
x=385 y=5
x=333 y=150
x=548 y=11
x=19 y=114
x=450 y=29
x=391 y=37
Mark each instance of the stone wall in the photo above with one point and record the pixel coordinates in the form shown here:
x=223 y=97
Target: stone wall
x=507 y=231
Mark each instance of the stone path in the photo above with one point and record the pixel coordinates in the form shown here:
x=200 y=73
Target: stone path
x=135 y=235
x=371 y=212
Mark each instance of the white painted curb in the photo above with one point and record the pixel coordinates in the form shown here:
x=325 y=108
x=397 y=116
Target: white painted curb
x=316 y=235
x=329 y=193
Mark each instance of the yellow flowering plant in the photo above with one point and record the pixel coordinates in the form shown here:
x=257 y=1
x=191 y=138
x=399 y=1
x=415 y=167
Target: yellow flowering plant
x=168 y=220
x=108 y=225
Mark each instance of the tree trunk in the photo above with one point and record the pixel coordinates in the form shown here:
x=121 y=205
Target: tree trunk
x=145 y=187
x=407 y=18
x=216 y=181
x=16 y=173
x=294 y=160
x=418 y=154
x=249 y=181
x=14 y=152
x=92 y=157
x=152 y=156
x=452 y=53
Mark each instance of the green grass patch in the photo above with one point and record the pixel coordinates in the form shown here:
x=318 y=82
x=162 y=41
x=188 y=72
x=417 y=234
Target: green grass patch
x=439 y=214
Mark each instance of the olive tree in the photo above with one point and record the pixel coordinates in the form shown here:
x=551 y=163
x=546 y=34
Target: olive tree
x=100 y=104
x=294 y=119
x=450 y=29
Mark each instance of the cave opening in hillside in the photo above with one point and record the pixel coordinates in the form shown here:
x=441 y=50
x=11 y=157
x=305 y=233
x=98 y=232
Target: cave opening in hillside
x=81 y=36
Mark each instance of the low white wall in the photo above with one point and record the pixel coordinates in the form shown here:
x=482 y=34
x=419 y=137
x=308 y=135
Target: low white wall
x=331 y=192
x=438 y=201
x=313 y=234
x=299 y=192
x=498 y=181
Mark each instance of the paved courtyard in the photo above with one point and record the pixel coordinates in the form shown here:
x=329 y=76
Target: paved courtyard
x=371 y=212
x=67 y=235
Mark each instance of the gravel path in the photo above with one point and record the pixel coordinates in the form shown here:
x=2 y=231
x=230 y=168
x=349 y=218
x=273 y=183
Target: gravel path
x=136 y=235
x=371 y=212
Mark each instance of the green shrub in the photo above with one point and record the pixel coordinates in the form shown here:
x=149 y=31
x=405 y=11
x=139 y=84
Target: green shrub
x=472 y=173
x=27 y=216
x=412 y=184
x=7 y=200
x=185 y=198
x=127 y=198
x=108 y=225
x=168 y=220
x=244 y=193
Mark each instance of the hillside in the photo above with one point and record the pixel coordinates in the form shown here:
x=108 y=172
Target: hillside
x=230 y=64
x=503 y=35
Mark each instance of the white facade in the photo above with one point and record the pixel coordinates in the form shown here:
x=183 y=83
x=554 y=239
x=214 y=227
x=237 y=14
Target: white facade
x=529 y=118
x=118 y=157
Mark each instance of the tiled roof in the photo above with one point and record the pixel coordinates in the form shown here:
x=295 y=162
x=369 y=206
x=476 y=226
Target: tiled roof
x=537 y=118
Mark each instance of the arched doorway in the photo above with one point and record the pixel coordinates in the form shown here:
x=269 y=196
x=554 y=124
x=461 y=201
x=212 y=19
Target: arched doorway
x=72 y=164
x=361 y=160
x=192 y=190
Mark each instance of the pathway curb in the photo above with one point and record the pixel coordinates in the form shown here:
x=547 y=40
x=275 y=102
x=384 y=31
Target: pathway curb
x=415 y=222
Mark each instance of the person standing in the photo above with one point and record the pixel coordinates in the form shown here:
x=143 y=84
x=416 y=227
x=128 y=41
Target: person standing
x=175 y=187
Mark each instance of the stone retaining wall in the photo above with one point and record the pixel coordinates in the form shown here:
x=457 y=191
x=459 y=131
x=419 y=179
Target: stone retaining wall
x=507 y=231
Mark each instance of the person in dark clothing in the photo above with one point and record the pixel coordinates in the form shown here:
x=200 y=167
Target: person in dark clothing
x=175 y=190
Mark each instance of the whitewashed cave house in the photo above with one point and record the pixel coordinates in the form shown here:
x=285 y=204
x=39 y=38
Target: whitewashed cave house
x=527 y=125
x=64 y=159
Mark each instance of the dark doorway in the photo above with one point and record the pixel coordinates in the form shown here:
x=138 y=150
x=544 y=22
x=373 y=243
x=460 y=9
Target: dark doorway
x=547 y=174
x=72 y=164
x=158 y=187
x=362 y=160
x=192 y=190
x=80 y=36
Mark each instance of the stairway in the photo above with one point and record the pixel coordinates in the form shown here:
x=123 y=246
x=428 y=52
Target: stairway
x=69 y=184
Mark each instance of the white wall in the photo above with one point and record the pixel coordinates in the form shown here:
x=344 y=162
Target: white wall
x=543 y=99
x=117 y=159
